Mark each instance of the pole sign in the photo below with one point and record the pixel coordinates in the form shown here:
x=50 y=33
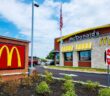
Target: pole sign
x=108 y=56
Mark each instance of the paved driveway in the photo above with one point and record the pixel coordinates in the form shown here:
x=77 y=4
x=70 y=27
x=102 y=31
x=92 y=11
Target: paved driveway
x=77 y=76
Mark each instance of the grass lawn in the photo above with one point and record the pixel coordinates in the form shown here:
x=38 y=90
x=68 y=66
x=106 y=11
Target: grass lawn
x=83 y=69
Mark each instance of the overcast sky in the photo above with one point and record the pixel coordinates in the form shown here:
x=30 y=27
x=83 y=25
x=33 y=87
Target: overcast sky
x=15 y=19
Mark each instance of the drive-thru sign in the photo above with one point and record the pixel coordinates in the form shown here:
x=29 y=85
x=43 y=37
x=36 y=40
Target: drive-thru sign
x=108 y=56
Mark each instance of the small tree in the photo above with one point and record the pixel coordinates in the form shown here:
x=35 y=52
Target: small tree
x=48 y=77
x=91 y=85
x=91 y=88
x=43 y=88
x=50 y=55
x=104 y=92
x=70 y=93
x=66 y=77
x=68 y=86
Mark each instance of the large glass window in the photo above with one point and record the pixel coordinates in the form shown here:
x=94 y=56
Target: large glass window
x=68 y=56
x=57 y=56
x=85 y=55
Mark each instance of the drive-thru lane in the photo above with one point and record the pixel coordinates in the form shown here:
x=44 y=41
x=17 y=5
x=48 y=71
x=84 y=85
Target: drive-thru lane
x=77 y=76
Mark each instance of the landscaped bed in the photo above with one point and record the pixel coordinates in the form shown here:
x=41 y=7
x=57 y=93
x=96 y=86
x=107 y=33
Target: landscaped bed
x=36 y=85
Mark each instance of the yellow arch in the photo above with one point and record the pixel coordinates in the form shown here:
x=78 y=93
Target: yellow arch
x=9 y=55
x=2 y=48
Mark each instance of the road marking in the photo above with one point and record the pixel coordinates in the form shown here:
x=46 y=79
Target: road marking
x=75 y=81
x=68 y=74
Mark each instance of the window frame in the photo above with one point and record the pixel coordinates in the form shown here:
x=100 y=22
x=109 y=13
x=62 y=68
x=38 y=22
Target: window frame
x=65 y=60
x=57 y=56
x=84 y=60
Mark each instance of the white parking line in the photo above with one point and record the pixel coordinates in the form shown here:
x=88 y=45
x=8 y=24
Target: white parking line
x=68 y=74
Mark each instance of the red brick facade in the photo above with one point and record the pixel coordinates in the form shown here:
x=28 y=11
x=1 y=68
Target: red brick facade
x=67 y=63
x=56 y=44
x=84 y=64
x=101 y=31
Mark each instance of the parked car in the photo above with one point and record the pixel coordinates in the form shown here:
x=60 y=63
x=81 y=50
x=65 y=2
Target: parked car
x=50 y=62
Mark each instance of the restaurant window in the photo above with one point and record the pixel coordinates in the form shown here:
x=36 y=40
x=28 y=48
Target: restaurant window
x=85 y=55
x=68 y=56
x=57 y=56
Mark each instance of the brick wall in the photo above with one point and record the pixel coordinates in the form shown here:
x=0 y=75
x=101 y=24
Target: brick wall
x=97 y=51
x=68 y=63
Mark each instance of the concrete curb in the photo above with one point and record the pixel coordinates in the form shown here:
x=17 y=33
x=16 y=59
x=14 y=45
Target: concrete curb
x=81 y=82
x=103 y=73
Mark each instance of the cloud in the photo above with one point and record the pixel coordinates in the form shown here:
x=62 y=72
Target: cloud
x=80 y=14
x=77 y=14
x=45 y=27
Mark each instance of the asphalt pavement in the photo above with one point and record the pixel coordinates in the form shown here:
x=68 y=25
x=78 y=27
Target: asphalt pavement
x=77 y=76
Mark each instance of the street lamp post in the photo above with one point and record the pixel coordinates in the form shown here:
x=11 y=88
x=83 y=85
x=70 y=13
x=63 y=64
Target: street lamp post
x=32 y=32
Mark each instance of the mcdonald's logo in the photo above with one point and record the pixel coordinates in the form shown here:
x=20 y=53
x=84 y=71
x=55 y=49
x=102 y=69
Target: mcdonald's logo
x=104 y=41
x=10 y=54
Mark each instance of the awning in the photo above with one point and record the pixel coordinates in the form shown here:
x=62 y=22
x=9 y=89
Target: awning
x=67 y=48
x=83 y=46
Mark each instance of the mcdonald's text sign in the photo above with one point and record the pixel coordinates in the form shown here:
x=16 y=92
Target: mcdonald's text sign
x=12 y=56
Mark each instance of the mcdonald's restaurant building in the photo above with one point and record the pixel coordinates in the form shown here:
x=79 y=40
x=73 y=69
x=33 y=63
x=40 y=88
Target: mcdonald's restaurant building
x=85 y=48
x=13 y=58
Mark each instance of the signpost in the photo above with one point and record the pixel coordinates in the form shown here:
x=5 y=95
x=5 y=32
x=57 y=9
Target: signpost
x=107 y=54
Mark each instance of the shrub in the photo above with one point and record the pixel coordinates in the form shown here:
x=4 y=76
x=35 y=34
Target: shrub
x=34 y=75
x=10 y=88
x=70 y=93
x=92 y=85
x=68 y=85
x=27 y=82
x=1 y=80
x=24 y=74
x=66 y=77
x=43 y=88
x=48 y=77
x=104 y=92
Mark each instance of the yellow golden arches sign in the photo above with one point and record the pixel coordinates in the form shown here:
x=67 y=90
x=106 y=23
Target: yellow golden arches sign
x=9 y=54
x=104 y=41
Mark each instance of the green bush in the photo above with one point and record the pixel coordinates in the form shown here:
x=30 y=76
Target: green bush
x=42 y=88
x=70 y=93
x=92 y=85
x=104 y=92
x=66 y=77
x=48 y=77
x=68 y=85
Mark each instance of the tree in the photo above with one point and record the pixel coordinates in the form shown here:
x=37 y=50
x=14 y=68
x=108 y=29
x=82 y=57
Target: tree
x=50 y=55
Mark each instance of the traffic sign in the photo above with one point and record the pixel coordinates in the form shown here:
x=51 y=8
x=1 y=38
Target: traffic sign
x=108 y=56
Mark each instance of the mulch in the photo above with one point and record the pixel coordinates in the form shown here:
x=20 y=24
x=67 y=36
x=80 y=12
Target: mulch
x=56 y=87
